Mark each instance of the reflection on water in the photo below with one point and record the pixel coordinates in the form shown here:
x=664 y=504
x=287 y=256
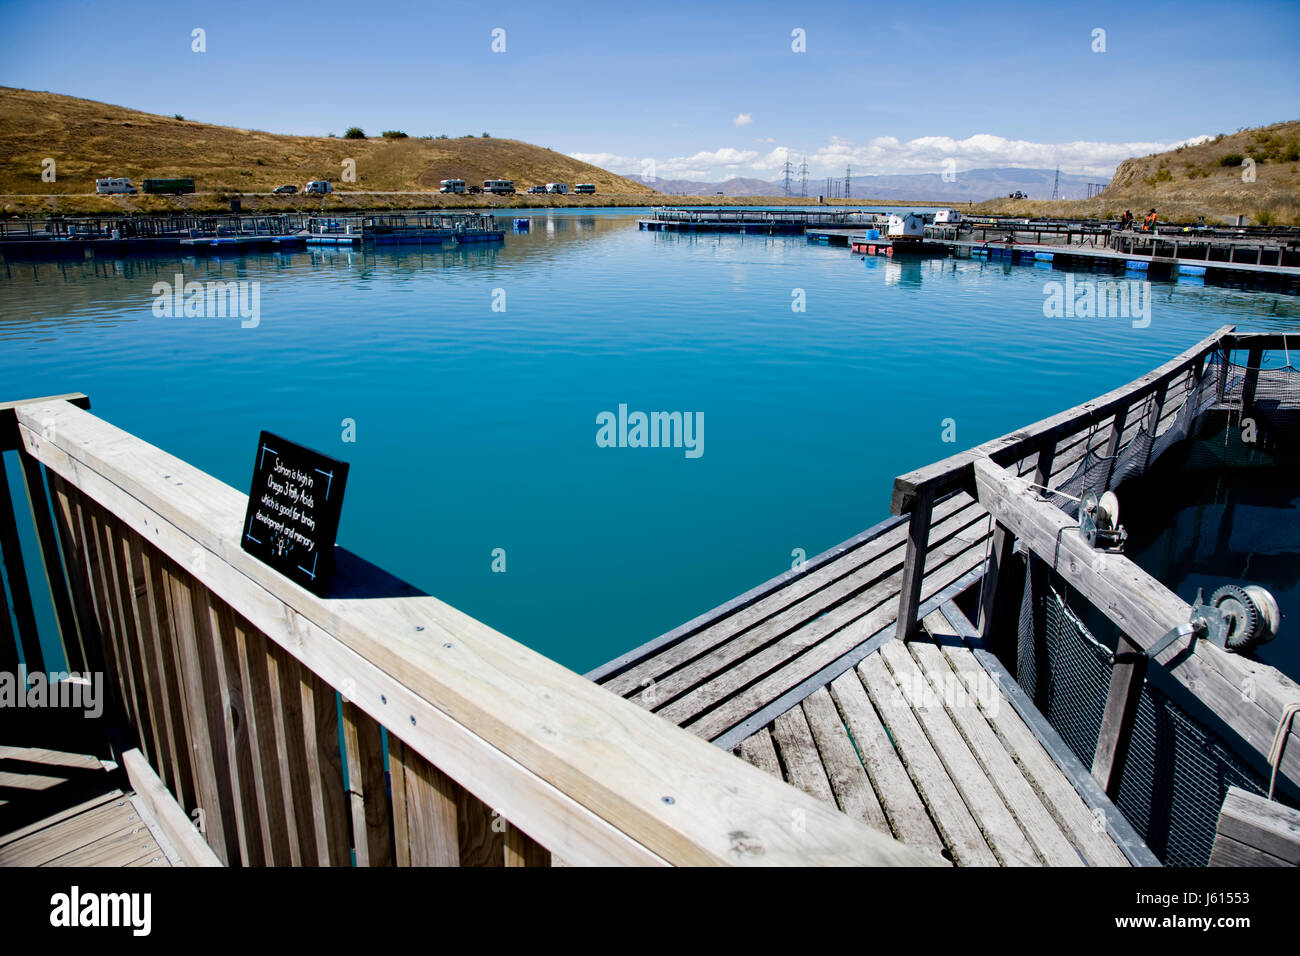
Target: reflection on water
x=476 y=425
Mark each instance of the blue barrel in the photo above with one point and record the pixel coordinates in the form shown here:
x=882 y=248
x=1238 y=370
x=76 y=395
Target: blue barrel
x=1044 y=256
x=1186 y=270
x=873 y=233
x=1134 y=265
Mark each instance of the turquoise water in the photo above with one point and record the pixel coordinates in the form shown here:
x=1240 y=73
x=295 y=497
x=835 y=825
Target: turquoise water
x=476 y=429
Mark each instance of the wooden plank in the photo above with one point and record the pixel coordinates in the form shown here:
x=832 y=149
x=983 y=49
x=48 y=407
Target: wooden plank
x=153 y=609
x=999 y=590
x=480 y=830
x=798 y=600
x=827 y=638
x=523 y=850
x=1093 y=823
x=607 y=763
x=325 y=768
x=999 y=825
x=1260 y=824
x=1126 y=680
x=266 y=773
x=803 y=764
x=76 y=567
x=965 y=708
x=760 y=752
x=959 y=829
x=686 y=692
x=428 y=836
x=92 y=803
x=1229 y=852
x=367 y=788
x=184 y=836
x=204 y=717
x=848 y=778
x=221 y=660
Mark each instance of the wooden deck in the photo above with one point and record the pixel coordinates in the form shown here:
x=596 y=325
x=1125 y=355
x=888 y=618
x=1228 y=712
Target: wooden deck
x=768 y=675
x=110 y=828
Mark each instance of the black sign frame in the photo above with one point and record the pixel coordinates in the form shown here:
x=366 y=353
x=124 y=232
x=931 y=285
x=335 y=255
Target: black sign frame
x=282 y=528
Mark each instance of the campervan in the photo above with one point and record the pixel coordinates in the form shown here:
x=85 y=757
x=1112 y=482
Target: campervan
x=452 y=186
x=109 y=186
x=561 y=188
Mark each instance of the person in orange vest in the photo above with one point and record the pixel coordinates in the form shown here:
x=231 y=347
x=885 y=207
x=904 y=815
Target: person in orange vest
x=1149 y=222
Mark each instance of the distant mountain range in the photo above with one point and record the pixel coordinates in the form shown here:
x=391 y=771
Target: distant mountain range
x=973 y=185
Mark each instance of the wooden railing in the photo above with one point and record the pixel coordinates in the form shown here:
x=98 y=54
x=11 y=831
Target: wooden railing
x=1007 y=475
x=238 y=686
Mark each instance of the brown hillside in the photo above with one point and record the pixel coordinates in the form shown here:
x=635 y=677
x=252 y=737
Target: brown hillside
x=88 y=140
x=1203 y=180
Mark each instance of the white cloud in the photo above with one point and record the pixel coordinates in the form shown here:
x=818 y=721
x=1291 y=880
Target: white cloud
x=883 y=155
x=744 y=119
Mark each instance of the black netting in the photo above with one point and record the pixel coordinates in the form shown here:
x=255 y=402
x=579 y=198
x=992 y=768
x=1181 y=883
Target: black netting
x=1177 y=771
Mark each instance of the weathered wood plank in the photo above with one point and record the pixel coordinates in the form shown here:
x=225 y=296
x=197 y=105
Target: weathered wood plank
x=803 y=764
x=428 y=836
x=1127 y=677
x=760 y=752
x=848 y=778
x=999 y=825
x=959 y=829
x=368 y=790
x=523 y=850
x=918 y=536
x=1018 y=794
x=183 y=835
x=1259 y=825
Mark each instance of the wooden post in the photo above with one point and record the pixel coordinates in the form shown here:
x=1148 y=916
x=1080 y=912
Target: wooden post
x=1255 y=358
x=1157 y=409
x=1113 y=442
x=918 y=539
x=999 y=592
x=1117 y=721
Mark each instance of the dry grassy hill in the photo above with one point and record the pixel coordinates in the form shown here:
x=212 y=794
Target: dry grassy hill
x=89 y=140
x=1204 y=180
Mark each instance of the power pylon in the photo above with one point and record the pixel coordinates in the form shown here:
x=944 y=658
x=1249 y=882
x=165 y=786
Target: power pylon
x=803 y=177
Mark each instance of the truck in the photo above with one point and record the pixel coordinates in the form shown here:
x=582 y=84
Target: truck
x=107 y=187
x=174 y=187
x=499 y=187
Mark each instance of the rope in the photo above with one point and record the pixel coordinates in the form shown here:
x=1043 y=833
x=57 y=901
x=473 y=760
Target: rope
x=1279 y=742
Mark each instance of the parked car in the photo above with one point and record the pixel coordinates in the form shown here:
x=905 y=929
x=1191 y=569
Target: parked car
x=319 y=187
x=287 y=189
x=452 y=186
x=109 y=186
x=584 y=188
x=474 y=190
x=536 y=189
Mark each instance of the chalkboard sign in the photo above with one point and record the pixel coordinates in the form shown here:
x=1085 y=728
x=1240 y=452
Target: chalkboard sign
x=293 y=511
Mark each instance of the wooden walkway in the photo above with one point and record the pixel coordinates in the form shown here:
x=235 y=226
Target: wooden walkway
x=110 y=828
x=746 y=674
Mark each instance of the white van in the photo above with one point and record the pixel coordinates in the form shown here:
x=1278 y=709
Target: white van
x=499 y=187
x=452 y=186
x=108 y=186
x=319 y=187
x=561 y=188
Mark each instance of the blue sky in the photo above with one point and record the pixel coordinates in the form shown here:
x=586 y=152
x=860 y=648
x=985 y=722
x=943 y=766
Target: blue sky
x=692 y=90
